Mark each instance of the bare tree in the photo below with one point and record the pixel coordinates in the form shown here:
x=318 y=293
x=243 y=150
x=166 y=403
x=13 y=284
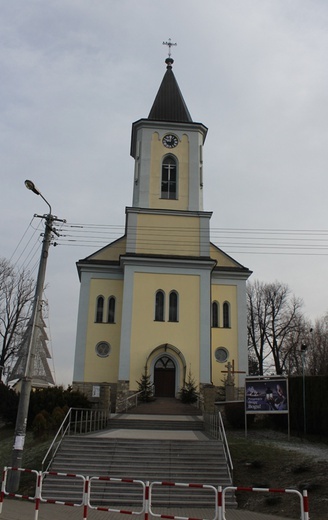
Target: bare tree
x=16 y=293
x=293 y=352
x=256 y=318
x=275 y=323
x=316 y=355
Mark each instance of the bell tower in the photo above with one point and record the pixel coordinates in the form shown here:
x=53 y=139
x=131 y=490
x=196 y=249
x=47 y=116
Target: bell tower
x=168 y=151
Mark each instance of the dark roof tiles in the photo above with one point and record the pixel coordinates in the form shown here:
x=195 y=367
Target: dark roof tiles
x=169 y=104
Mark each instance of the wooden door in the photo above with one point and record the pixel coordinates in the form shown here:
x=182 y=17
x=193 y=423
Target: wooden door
x=164 y=377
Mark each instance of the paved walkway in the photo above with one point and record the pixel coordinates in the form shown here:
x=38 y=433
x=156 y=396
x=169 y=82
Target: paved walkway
x=22 y=510
x=165 y=406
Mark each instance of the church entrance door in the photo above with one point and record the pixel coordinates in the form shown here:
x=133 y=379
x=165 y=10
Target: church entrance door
x=164 y=377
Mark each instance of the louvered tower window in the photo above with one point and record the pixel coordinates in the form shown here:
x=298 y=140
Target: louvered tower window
x=169 y=178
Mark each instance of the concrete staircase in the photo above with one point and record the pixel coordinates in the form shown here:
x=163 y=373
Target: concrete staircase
x=141 y=448
x=194 y=424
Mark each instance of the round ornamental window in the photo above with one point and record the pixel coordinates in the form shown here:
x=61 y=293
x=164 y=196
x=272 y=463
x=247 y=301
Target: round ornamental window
x=103 y=349
x=221 y=354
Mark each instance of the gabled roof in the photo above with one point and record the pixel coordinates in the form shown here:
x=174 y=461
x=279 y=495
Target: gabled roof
x=169 y=104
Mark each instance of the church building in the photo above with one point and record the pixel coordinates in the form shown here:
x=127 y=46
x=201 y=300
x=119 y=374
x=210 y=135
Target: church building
x=162 y=298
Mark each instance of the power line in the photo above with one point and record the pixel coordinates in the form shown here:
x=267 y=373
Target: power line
x=153 y=239
x=237 y=240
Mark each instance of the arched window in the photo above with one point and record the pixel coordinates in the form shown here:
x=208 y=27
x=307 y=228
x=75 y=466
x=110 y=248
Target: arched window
x=100 y=309
x=226 y=315
x=111 y=309
x=159 y=306
x=173 y=306
x=215 y=314
x=169 y=178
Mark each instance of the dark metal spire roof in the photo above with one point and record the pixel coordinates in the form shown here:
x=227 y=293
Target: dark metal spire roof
x=169 y=104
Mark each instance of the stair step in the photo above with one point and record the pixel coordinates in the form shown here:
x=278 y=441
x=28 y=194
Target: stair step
x=185 y=461
x=152 y=425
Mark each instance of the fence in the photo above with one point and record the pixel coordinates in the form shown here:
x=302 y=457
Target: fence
x=146 y=495
x=132 y=401
x=304 y=504
x=182 y=485
x=76 y=421
x=123 y=405
x=214 y=425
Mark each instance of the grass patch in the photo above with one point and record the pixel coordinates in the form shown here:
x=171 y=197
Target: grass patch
x=264 y=464
x=301 y=468
x=34 y=451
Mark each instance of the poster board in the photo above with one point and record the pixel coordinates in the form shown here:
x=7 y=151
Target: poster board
x=268 y=395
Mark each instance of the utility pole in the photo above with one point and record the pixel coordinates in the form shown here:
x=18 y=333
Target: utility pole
x=303 y=352
x=26 y=381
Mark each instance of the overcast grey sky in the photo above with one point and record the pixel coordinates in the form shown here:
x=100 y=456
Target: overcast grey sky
x=75 y=74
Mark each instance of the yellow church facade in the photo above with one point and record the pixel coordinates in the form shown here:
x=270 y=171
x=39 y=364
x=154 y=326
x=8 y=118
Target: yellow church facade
x=162 y=297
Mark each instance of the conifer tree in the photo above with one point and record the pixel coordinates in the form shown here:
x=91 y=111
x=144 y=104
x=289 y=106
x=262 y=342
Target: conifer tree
x=188 y=394
x=145 y=386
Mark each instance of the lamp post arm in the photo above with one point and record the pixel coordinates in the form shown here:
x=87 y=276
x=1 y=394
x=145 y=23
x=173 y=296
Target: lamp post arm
x=45 y=200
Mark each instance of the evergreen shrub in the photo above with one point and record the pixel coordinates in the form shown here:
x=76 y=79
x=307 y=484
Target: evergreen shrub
x=188 y=394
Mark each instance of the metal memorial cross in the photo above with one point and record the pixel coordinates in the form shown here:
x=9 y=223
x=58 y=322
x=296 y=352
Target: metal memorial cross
x=169 y=44
x=231 y=372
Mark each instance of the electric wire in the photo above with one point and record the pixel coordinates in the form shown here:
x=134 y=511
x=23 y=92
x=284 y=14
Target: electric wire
x=152 y=239
x=29 y=250
x=22 y=238
x=234 y=240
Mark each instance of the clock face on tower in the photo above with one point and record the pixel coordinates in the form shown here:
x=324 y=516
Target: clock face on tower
x=170 y=141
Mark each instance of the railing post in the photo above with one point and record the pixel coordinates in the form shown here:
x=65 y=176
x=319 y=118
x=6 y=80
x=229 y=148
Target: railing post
x=86 y=497
x=220 y=512
x=38 y=495
x=146 y=501
x=305 y=505
x=3 y=487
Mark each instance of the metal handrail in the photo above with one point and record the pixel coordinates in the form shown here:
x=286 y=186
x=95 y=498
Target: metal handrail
x=224 y=440
x=54 y=446
x=214 y=424
x=76 y=421
x=127 y=401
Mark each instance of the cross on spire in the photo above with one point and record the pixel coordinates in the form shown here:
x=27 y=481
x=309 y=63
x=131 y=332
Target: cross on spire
x=169 y=44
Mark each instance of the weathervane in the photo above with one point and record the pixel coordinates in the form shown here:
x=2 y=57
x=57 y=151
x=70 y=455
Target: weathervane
x=169 y=44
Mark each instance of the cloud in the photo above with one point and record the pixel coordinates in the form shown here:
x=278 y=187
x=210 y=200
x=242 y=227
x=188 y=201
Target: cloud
x=76 y=74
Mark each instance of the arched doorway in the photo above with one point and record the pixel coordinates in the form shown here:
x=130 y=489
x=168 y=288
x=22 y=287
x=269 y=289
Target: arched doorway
x=164 y=377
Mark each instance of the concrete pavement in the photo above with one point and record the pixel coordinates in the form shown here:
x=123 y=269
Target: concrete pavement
x=24 y=510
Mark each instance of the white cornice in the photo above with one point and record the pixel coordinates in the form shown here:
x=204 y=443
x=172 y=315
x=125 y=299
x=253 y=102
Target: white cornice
x=165 y=125
x=173 y=212
x=178 y=263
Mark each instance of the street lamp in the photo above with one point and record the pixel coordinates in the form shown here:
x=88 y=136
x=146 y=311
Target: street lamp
x=26 y=381
x=303 y=352
x=31 y=186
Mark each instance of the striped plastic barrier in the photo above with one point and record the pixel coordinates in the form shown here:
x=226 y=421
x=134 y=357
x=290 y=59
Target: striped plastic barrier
x=84 y=495
x=37 y=494
x=146 y=495
x=118 y=480
x=304 y=506
x=183 y=485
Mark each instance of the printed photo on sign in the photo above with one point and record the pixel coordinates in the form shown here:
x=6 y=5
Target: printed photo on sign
x=266 y=396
